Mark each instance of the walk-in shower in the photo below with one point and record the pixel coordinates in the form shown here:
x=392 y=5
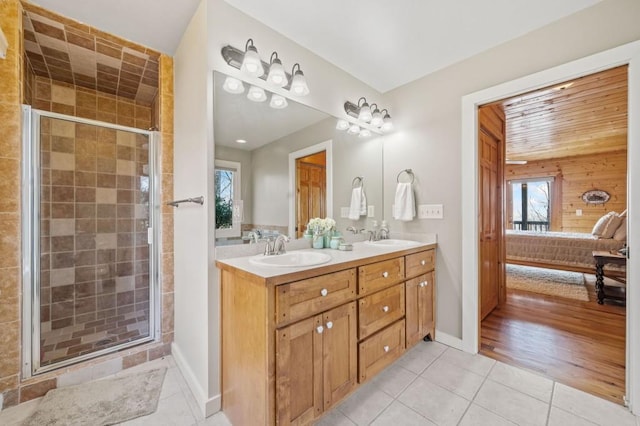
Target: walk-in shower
x=89 y=231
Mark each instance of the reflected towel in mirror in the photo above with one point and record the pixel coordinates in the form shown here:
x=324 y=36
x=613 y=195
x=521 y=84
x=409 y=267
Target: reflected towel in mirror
x=358 y=205
x=405 y=206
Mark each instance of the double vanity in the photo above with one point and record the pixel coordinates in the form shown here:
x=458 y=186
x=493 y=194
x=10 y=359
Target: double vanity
x=302 y=330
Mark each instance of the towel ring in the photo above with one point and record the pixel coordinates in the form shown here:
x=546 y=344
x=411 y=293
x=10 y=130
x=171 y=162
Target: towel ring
x=407 y=171
x=357 y=182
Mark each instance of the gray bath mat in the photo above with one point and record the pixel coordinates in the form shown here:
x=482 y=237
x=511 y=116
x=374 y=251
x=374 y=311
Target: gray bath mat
x=103 y=402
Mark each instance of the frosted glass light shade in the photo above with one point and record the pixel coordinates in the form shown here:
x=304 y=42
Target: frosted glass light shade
x=376 y=118
x=278 y=102
x=277 y=76
x=299 y=84
x=365 y=113
x=342 y=124
x=256 y=94
x=233 y=85
x=354 y=129
x=251 y=64
x=364 y=133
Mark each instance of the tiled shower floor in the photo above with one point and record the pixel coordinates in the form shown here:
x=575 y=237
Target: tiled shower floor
x=75 y=340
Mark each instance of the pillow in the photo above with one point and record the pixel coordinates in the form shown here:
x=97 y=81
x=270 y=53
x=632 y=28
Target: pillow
x=602 y=223
x=612 y=226
x=621 y=232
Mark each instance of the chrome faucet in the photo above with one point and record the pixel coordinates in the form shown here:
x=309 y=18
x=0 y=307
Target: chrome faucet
x=276 y=246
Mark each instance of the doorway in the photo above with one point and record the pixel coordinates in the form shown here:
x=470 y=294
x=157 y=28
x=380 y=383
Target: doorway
x=90 y=281
x=631 y=171
x=310 y=185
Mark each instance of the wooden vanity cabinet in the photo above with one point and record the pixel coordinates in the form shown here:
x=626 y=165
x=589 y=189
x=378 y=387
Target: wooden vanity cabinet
x=420 y=296
x=294 y=345
x=316 y=364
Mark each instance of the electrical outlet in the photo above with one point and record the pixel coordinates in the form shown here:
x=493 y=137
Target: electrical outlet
x=344 y=212
x=578 y=212
x=430 y=211
x=371 y=211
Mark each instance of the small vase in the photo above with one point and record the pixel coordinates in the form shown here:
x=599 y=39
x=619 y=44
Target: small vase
x=318 y=241
x=327 y=239
x=335 y=242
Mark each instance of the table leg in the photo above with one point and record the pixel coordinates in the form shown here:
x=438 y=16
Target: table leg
x=600 y=282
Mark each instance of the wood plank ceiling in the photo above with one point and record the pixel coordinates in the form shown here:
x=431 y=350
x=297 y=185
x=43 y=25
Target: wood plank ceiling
x=584 y=116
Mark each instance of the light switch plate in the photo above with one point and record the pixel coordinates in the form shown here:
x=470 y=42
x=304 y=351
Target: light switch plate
x=430 y=211
x=371 y=211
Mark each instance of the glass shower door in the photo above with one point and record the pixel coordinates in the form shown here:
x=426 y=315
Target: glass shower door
x=92 y=291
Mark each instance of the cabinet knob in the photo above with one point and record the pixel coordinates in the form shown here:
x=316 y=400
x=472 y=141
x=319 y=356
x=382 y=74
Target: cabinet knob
x=385 y=309
x=386 y=348
x=424 y=283
x=323 y=292
x=423 y=262
x=385 y=274
x=319 y=329
x=329 y=324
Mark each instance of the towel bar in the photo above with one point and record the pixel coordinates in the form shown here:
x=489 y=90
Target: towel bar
x=407 y=171
x=357 y=181
x=197 y=200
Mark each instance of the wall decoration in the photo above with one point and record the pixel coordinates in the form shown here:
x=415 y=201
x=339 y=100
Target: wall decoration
x=596 y=196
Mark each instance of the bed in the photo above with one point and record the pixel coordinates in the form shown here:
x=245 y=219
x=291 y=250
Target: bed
x=559 y=250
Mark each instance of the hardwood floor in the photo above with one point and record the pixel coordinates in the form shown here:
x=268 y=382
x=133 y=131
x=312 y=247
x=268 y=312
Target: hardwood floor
x=580 y=344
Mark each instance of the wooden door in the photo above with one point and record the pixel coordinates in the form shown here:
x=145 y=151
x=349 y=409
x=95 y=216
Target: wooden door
x=298 y=372
x=311 y=183
x=491 y=151
x=426 y=289
x=340 y=347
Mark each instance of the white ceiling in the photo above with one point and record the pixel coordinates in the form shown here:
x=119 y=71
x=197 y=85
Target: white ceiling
x=383 y=43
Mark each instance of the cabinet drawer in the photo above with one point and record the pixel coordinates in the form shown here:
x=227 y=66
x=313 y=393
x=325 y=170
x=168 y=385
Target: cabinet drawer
x=302 y=299
x=377 y=276
x=420 y=263
x=380 y=350
x=380 y=309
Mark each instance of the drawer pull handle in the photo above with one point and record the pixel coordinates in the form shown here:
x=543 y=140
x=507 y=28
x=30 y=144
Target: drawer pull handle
x=423 y=262
x=385 y=274
x=330 y=325
x=319 y=329
x=386 y=348
x=323 y=292
x=424 y=283
x=385 y=309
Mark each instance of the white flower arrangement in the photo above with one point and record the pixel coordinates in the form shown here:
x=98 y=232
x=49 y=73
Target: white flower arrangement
x=320 y=226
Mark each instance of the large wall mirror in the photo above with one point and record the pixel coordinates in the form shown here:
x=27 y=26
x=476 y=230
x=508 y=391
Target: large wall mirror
x=274 y=167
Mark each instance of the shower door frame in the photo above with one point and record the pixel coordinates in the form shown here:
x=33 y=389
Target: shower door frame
x=30 y=224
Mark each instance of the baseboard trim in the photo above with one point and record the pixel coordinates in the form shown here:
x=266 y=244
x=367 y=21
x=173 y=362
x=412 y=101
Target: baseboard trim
x=449 y=340
x=208 y=406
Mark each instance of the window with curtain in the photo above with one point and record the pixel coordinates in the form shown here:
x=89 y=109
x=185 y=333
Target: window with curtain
x=228 y=202
x=531 y=203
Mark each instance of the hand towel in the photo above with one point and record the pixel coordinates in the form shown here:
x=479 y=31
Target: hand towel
x=358 y=205
x=405 y=205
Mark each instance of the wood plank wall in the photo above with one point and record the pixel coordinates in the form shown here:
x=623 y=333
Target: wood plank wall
x=606 y=172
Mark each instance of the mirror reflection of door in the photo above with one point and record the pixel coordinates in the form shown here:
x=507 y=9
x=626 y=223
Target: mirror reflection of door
x=311 y=182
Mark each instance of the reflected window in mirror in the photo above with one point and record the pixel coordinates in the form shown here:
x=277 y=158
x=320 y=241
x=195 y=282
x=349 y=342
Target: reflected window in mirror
x=228 y=204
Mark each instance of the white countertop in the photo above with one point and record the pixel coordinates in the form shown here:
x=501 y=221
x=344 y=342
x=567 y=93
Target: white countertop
x=360 y=251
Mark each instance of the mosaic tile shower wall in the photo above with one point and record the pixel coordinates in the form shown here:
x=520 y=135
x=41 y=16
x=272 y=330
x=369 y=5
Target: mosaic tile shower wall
x=94 y=266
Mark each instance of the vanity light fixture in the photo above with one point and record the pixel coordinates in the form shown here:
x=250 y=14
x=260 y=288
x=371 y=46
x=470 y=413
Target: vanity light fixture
x=273 y=72
x=366 y=117
x=299 y=83
x=276 y=75
x=277 y=101
x=233 y=85
x=256 y=94
x=251 y=63
x=342 y=124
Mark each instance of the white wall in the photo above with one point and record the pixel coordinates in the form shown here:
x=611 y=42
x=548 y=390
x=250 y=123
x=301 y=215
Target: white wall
x=196 y=337
x=427 y=114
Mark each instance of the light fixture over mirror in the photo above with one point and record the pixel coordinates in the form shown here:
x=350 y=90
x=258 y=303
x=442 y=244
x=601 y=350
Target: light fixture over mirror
x=364 y=117
x=250 y=64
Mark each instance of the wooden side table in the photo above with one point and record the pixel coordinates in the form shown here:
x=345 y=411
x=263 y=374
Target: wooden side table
x=601 y=259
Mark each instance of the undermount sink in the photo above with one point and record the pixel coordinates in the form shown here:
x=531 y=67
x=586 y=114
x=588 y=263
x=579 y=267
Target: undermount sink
x=391 y=243
x=292 y=259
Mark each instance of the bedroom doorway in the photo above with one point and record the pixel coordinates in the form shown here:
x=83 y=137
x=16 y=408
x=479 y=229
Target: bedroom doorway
x=561 y=142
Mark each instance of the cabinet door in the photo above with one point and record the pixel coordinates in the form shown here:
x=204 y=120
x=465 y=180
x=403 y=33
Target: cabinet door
x=340 y=347
x=426 y=288
x=412 y=317
x=299 y=372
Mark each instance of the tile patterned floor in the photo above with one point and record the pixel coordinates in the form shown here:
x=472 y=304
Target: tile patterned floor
x=431 y=384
